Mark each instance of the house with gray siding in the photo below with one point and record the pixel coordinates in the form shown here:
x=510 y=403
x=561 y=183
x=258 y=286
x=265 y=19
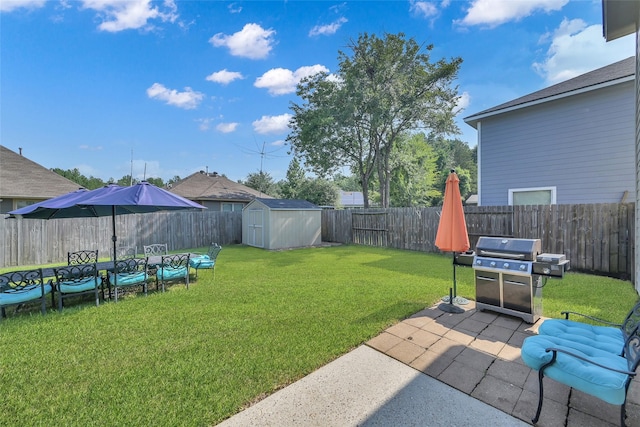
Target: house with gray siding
x=619 y=19
x=570 y=143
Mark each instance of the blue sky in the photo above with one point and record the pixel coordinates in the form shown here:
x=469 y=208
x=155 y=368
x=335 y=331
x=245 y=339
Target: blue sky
x=168 y=88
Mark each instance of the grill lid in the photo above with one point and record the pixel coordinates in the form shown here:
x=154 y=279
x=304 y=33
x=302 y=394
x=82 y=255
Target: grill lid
x=502 y=247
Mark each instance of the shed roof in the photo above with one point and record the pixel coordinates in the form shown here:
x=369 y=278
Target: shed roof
x=287 y=204
x=211 y=186
x=24 y=178
x=611 y=74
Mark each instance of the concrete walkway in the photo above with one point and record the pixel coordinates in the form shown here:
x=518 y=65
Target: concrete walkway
x=367 y=388
x=435 y=369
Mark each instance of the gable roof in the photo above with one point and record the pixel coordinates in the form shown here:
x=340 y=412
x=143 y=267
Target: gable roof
x=24 y=178
x=214 y=187
x=287 y=204
x=615 y=73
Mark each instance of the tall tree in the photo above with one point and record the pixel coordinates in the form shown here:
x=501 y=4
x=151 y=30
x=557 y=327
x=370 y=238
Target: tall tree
x=414 y=172
x=290 y=188
x=319 y=191
x=386 y=87
x=263 y=182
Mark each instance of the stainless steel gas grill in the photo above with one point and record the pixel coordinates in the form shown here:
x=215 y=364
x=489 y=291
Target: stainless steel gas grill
x=508 y=275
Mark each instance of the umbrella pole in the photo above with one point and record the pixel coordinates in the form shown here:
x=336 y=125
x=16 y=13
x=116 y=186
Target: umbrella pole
x=453 y=262
x=113 y=225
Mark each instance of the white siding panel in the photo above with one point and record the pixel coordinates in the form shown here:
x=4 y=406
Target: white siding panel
x=583 y=145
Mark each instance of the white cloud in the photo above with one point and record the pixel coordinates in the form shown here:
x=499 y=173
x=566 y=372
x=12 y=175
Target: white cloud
x=252 y=42
x=280 y=81
x=462 y=103
x=234 y=8
x=327 y=30
x=11 y=5
x=272 y=124
x=119 y=15
x=227 y=127
x=278 y=143
x=496 y=12
x=424 y=8
x=576 y=48
x=224 y=76
x=188 y=99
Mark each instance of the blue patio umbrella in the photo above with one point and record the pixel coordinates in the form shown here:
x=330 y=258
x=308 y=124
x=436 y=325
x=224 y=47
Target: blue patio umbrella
x=110 y=200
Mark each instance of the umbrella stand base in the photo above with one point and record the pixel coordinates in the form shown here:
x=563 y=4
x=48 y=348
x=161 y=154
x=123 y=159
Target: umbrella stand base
x=456 y=300
x=451 y=308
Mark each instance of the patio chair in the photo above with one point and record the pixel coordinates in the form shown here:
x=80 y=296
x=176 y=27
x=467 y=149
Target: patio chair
x=82 y=257
x=207 y=261
x=124 y=252
x=19 y=287
x=127 y=273
x=157 y=249
x=75 y=280
x=173 y=268
x=604 y=335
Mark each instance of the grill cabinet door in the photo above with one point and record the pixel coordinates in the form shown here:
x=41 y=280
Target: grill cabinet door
x=517 y=293
x=488 y=287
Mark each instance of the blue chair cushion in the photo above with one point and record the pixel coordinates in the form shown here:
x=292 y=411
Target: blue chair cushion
x=168 y=273
x=602 y=383
x=201 y=261
x=124 y=279
x=28 y=293
x=605 y=338
x=79 y=286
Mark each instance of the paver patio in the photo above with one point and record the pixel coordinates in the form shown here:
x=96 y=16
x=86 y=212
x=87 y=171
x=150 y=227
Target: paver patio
x=478 y=352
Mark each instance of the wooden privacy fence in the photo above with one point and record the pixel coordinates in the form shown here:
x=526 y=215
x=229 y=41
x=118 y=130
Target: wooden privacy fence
x=596 y=238
x=36 y=241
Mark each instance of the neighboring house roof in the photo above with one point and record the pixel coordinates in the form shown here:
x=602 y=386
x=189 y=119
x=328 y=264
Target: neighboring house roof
x=213 y=187
x=287 y=204
x=351 y=198
x=21 y=178
x=611 y=74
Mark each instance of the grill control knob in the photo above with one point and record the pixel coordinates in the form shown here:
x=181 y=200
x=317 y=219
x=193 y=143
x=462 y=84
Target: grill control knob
x=505 y=265
x=493 y=264
x=523 y=267
x=478 y=262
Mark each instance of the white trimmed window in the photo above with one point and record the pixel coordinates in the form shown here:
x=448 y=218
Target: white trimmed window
x=532 y=196
x=232 y=207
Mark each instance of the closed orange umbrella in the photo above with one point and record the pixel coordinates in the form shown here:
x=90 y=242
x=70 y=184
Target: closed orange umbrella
x=452 y=233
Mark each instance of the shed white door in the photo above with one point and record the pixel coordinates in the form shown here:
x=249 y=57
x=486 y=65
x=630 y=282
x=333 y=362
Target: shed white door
x=255 y=228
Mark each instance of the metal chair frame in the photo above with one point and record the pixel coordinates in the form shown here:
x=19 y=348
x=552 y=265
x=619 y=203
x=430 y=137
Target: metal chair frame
x=174 y=261
x=82 y=257
x=75 y=275
x=213 y=252
x=127 y=267
x=24 y=281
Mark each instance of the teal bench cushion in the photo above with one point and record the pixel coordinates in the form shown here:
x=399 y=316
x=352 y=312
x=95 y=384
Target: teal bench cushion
x=128 y=279
x=605 y=338
x=168 y=273
x=24 y=294
x=602 y=383
x=79 y=286
x=202 y=261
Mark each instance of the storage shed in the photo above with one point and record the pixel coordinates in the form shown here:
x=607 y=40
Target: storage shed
x=281 y=223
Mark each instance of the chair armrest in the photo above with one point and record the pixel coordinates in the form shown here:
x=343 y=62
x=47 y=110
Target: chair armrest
x=556 y=350
x=606 y=322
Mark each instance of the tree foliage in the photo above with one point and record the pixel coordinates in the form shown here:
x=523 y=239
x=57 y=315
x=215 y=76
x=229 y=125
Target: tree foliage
x=91 y=183
x=385 y=88
x=263 y=182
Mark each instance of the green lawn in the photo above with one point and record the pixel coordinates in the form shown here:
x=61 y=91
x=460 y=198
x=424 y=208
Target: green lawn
x=195 y=357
